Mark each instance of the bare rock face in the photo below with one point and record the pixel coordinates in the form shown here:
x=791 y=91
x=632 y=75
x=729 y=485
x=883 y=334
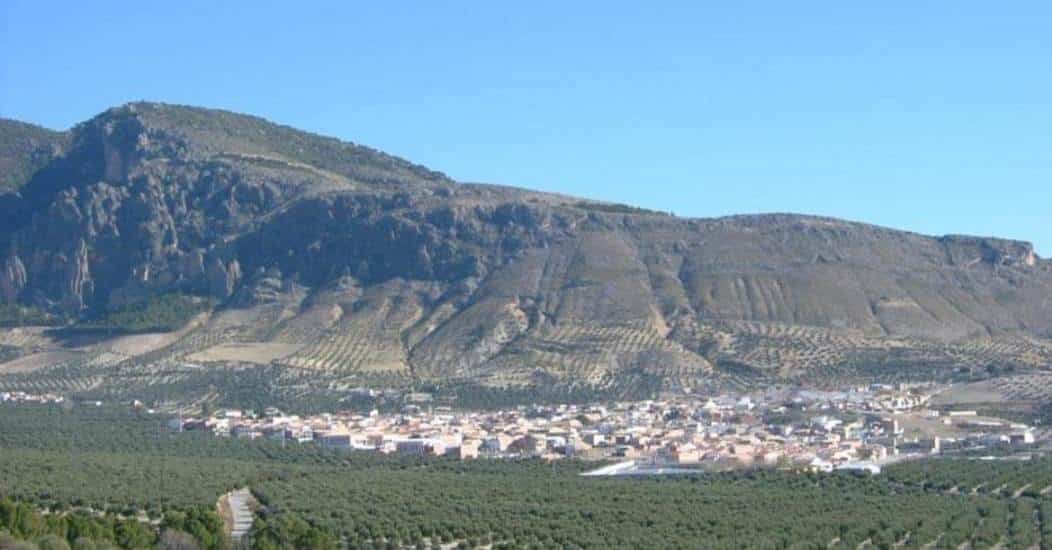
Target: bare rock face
x=483 y=282
x=969 y=251
x=223 y=279
x=12 y=279
x=79 y=287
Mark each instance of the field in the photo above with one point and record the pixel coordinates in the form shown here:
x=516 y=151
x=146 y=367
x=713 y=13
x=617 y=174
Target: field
x=537 y=505
x=1025 y=397
x=39 y=361
x=973 y=476
x=121 y=482
x=262 y=353
x=1024 y=388
x=110 y=459
x=532 y=504
x=386 y=337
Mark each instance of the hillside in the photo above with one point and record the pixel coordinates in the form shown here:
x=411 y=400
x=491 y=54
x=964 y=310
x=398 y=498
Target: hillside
x=24 y=149
x=321 y=265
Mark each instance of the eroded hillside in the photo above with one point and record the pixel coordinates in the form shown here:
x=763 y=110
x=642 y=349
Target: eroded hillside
x=329 y=265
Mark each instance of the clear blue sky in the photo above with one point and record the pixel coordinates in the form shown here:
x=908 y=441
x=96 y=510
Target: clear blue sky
x=929 y=116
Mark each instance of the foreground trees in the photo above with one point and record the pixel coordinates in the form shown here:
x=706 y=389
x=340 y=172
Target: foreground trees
x=22 y=526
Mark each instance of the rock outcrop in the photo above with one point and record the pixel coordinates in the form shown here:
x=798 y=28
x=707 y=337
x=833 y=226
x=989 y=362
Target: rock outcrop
x=12 y=279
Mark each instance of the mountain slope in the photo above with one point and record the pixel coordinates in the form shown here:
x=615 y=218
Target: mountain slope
x=333 y=265
x=24 y=149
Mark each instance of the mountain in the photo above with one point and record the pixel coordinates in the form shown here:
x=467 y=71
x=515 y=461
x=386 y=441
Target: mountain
x=312 y=265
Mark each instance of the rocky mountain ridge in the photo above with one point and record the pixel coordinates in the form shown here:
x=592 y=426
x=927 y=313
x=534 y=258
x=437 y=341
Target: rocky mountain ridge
x=367 y=267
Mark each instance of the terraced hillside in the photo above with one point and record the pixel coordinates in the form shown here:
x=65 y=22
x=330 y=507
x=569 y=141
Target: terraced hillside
x=330 y=265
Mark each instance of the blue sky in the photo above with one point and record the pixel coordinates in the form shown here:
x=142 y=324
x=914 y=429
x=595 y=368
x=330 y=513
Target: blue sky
x=928 y=116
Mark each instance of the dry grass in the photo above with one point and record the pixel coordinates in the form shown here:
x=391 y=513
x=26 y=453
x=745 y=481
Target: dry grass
x=138 y=344
x=1031 y=387
x=260 y=353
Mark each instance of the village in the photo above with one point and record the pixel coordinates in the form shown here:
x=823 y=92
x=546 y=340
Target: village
x=859 y=429
x=24 y=397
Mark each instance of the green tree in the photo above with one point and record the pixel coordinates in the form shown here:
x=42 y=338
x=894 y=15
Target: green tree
x=53 y=542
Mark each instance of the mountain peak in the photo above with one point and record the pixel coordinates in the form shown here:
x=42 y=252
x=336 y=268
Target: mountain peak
x=205 y=132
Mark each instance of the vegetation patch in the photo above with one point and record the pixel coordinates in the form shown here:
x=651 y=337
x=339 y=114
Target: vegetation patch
x=161 y=313
x=14 y=315
x=613 y=208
